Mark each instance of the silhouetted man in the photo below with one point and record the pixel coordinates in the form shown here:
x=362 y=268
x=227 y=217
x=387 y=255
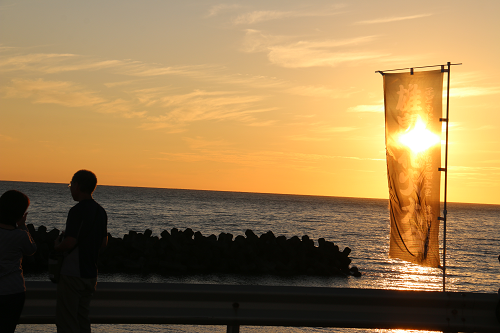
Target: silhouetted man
x=84 y=237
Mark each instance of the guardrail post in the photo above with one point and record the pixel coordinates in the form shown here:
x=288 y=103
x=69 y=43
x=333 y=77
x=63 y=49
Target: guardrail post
x=233 y=328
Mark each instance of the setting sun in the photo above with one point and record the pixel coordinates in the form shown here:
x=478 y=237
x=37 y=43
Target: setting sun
x=418 y=138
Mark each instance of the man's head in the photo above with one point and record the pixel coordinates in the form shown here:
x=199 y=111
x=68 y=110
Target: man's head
x=13 y=205
x=84 y=181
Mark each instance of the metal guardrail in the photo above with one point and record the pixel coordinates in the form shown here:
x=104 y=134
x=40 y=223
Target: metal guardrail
x=234 y=306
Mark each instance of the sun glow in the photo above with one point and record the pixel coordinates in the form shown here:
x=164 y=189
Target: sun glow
x=419 y=138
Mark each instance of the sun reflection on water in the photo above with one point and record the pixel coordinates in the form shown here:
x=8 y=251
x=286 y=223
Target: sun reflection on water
x=408 y=276
x=402 y=331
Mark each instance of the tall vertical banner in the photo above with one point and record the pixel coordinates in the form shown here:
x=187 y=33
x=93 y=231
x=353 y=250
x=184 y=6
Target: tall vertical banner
x=413 y=106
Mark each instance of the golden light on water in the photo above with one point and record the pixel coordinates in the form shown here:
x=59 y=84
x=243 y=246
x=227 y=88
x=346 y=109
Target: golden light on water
x=408 y=276
x=403 y=331
x=419 y=138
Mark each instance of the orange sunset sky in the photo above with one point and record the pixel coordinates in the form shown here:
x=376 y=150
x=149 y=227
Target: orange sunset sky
x=254 y=96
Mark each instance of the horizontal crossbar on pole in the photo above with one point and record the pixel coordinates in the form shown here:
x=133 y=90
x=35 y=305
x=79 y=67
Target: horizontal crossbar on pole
x=234 y=305
x=411 y=68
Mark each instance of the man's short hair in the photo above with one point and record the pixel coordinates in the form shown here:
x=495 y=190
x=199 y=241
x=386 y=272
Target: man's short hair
x=87 y=180
x=13 y=205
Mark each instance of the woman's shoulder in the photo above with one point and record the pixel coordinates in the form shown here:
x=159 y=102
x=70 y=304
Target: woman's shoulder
x=21 y=232
x=17 y=233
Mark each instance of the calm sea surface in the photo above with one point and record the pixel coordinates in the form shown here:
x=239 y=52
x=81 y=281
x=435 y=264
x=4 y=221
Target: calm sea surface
x=361 y=224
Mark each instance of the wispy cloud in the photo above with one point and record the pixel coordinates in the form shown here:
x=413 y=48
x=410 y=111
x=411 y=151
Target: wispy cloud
x=149 y=70
x=40 y=64
x=123 y=107
x=156 y=107
x=269 y=15
x=297 y=56
x=37 y=61
x=320 y=91
x=4 y=48
x=68 y=94
x=262 y=123
x=151 y=96
x=474 y=91
x=200 y=143
x=471 y=83
x=175 y=110
x=258 y=158
x=341 y=129
x=201 y=105
x=159 y=107
x=477 y=175
x=366 y=108
x=119 y=84
x=317 y=132
x=302 y=53
x=221 y=8
x=55 y=92
x=257 y=41
x=263 y=15
x=51 y=63
x=478 y=169
x=54 y=63
x=394 y=19
x=60 y=63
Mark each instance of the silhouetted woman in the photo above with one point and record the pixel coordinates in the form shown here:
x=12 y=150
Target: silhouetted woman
x=15 y=241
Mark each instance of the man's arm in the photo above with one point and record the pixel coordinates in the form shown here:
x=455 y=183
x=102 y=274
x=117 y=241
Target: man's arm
x=104 y=242
x=67 y=244
x=28 y=246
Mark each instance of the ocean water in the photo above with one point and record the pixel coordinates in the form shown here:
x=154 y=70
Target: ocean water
x=361 y=224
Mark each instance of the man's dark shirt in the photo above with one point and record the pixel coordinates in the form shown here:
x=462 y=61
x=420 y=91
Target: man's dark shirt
x=87 y=222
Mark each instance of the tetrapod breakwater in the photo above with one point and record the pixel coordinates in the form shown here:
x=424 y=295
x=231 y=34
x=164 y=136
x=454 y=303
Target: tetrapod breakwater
x=189 y=252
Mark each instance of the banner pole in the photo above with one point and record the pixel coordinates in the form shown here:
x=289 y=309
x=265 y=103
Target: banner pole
x=445 y=211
